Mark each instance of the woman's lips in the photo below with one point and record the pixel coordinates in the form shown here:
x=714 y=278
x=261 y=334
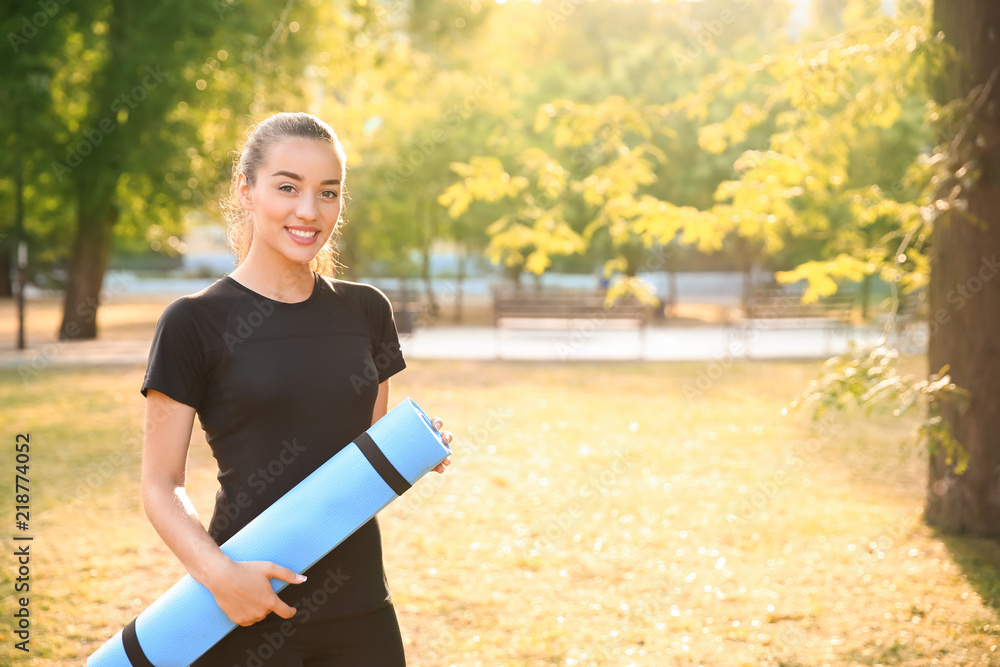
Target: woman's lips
x=302 y=235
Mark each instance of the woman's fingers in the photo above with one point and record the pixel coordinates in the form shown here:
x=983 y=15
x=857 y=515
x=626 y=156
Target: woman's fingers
x=441 y=466
x=280 y=607
x=446 y=438
x=283 y=609
x=445 y=435
x=281 y=572
x=246 y=596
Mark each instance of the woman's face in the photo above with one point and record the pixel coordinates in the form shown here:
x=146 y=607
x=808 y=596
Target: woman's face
x=295 y=200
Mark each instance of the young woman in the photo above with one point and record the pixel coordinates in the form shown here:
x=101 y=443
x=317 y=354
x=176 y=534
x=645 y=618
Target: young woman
x=277 y=361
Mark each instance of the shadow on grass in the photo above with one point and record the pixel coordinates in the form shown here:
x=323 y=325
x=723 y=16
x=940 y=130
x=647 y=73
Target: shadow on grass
x=979 y=559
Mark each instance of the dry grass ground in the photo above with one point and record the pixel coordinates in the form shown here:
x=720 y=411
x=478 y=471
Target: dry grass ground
x=595 y=514
x=122 y=318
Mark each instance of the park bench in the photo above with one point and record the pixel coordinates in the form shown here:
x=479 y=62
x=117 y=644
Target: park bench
x=582 y=312
x=777 y=308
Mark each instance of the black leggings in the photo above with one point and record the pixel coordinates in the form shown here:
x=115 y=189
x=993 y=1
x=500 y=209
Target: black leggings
x=358 y=641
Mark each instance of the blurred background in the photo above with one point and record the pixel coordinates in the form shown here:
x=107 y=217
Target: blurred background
x=570 y=145
x=766 y=230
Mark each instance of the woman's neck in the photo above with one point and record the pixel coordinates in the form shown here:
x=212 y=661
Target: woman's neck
x=286 y=282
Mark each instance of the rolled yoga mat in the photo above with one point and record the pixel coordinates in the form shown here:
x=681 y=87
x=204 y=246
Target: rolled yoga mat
x=301 y=527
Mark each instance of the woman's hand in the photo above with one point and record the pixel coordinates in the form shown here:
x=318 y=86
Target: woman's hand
x=446 y=438
x=243 y=590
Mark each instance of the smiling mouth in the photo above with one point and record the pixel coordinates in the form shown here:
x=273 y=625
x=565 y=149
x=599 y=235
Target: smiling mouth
x=302 y=234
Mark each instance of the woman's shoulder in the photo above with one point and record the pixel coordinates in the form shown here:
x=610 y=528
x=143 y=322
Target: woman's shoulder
x=360 y=293
x=207 y=303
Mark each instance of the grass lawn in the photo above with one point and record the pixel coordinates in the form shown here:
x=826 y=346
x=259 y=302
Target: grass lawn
x=595 y=514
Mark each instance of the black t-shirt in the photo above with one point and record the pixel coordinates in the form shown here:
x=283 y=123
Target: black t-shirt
x=279 y=388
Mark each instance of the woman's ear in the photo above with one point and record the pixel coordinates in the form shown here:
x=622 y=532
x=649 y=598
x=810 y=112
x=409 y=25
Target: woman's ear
x=243 y=192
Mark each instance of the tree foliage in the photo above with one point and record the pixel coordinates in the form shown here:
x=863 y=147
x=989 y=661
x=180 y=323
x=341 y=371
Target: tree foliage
x=830 y=140
x=703 y=126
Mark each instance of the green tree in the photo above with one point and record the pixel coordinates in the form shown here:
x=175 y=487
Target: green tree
x=145 y=104
x=595 y=151
x=938 y=218
x=111 y=132
x=35 y=35
x=831 y=153
x=420 y=93
x=964 y=291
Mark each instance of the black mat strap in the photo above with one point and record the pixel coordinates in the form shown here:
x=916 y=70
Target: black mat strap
x=132 y=649
x=381 y=464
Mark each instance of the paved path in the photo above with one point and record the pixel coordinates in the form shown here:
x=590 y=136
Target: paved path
x=659 y=343
x=581 y=343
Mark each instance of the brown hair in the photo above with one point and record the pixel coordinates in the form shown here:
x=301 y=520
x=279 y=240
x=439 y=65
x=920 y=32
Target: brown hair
x=259 y=140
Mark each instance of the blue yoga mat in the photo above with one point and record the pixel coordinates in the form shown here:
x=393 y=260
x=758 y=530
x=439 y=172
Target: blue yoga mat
x=296 y=531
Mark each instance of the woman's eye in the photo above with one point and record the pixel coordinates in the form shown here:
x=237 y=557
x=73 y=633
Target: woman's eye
x=286 y=185
x=330 y=194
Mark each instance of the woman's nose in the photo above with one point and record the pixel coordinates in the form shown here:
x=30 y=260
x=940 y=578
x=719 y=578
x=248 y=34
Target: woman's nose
x=306 y=209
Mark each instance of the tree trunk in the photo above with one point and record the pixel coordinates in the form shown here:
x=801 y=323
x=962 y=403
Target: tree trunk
x=670 y=266
x=427 y=242
x=6 y=266
x=828 y=14
x=89 y=260
x=513 y=274
x=749 y=277
x=865 y=295
x=965 y=289
x=459 y=281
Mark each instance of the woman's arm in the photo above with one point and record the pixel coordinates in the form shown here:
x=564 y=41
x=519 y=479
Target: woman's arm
x=242 y=590
x=382 y=407
x=381 y=402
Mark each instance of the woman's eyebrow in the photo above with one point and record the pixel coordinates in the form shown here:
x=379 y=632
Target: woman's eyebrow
x=329 y=181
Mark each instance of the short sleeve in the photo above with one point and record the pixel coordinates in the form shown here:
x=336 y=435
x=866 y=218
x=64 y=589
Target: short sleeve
x=386 y=351
x=176 y=365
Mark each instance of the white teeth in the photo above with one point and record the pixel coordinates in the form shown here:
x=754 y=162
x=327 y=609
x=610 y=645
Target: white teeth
x=302 y=234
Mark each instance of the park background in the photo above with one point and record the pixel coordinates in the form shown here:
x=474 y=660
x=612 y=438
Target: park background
x=687 y=155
